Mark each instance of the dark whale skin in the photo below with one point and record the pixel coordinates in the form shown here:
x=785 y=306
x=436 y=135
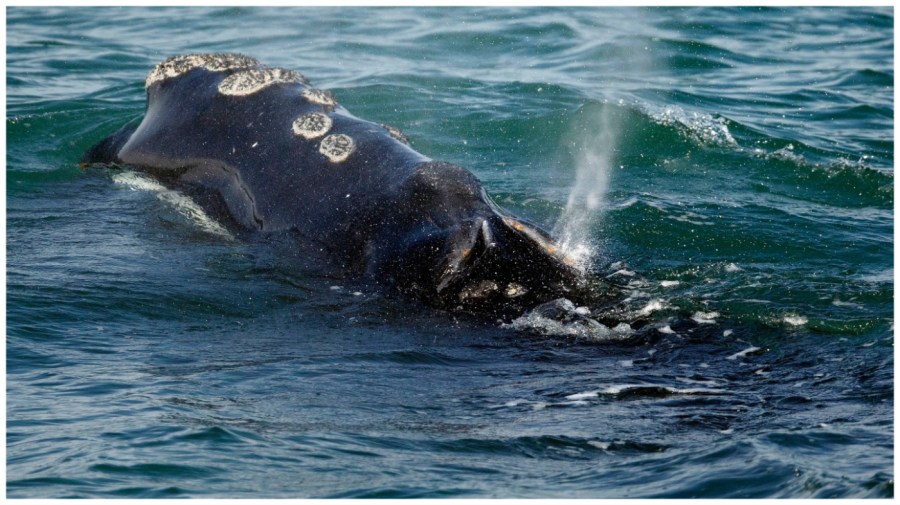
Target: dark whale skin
x=382 y=211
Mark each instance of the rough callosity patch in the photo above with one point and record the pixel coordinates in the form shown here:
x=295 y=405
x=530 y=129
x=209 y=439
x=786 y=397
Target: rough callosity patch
x=513 y=290
x=320 y=96
x=255 y=79
x=337 y=148
x=312 y=126
x=177 y=65
x=482 y=289
x=395 y=133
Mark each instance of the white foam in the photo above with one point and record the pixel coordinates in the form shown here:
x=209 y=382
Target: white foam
x=652 y=306
x=622 y=388
x=705 y=317
x=138 y=182
x=581 y=396
x=743 y=353
x=787 y=153
x=669 y=284
x=578 y=255
x=666 y=329
x=687 y=219
x=686 y=380
x=795 y=320
x=582 y=326
x=704 y=127
x=181 y=203
x=514 y=403
x=731 y=268
x=883 y=277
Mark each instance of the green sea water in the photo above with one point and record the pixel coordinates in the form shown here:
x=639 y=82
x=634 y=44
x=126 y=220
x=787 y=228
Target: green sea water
x=730 y=168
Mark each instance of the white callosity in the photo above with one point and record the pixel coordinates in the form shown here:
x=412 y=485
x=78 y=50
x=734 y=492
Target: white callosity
x=177 y=65
x=337 y=148
x=312 y=125
x=395 y=133
x=253 y=80
x=320 y=96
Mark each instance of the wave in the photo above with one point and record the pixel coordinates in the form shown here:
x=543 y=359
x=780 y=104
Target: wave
x=675 y=147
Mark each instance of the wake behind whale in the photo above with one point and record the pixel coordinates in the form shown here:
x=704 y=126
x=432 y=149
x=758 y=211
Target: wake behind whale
x=263 y=152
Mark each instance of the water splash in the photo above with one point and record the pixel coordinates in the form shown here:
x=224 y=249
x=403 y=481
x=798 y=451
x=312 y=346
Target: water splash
x=562 y=318
x=182 y=204
x=595 y=141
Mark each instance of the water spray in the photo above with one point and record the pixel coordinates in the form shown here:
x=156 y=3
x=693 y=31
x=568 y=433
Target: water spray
x=595 y=139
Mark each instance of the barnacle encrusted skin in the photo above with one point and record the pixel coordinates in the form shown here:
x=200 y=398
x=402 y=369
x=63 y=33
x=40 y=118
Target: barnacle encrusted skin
x=395 y=133
x=218 y=62
x=337 y=147
x=247 y=82
x=320 y=96
x=312 y=126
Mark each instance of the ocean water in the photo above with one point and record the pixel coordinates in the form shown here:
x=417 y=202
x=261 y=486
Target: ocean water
x=730 y=168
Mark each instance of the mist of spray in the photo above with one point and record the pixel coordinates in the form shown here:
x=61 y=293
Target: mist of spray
x=595 y=140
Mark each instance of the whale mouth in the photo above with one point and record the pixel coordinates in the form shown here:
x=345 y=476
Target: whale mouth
x=500 y=263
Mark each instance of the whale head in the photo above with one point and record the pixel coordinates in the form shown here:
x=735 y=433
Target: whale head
x=454 y=248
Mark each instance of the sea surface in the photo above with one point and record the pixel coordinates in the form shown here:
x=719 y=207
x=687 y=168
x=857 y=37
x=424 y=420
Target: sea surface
x=731 y=170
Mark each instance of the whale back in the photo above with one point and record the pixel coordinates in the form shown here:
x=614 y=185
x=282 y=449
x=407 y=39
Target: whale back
x=237 y=134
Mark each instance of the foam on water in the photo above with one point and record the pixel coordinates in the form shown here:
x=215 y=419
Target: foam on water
x=654 y=389
x=562 y=318
x=795 y=320
x=652 y=306
x=181 y=203
x=744 y=353
x=705 y=317
x=699 y=125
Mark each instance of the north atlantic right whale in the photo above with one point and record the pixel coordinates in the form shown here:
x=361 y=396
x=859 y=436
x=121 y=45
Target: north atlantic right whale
x=262 y=151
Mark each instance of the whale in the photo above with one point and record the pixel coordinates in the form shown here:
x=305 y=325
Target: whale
x=264 y=152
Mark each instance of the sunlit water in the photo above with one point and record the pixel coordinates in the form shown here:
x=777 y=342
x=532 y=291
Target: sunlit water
x=731 y=169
